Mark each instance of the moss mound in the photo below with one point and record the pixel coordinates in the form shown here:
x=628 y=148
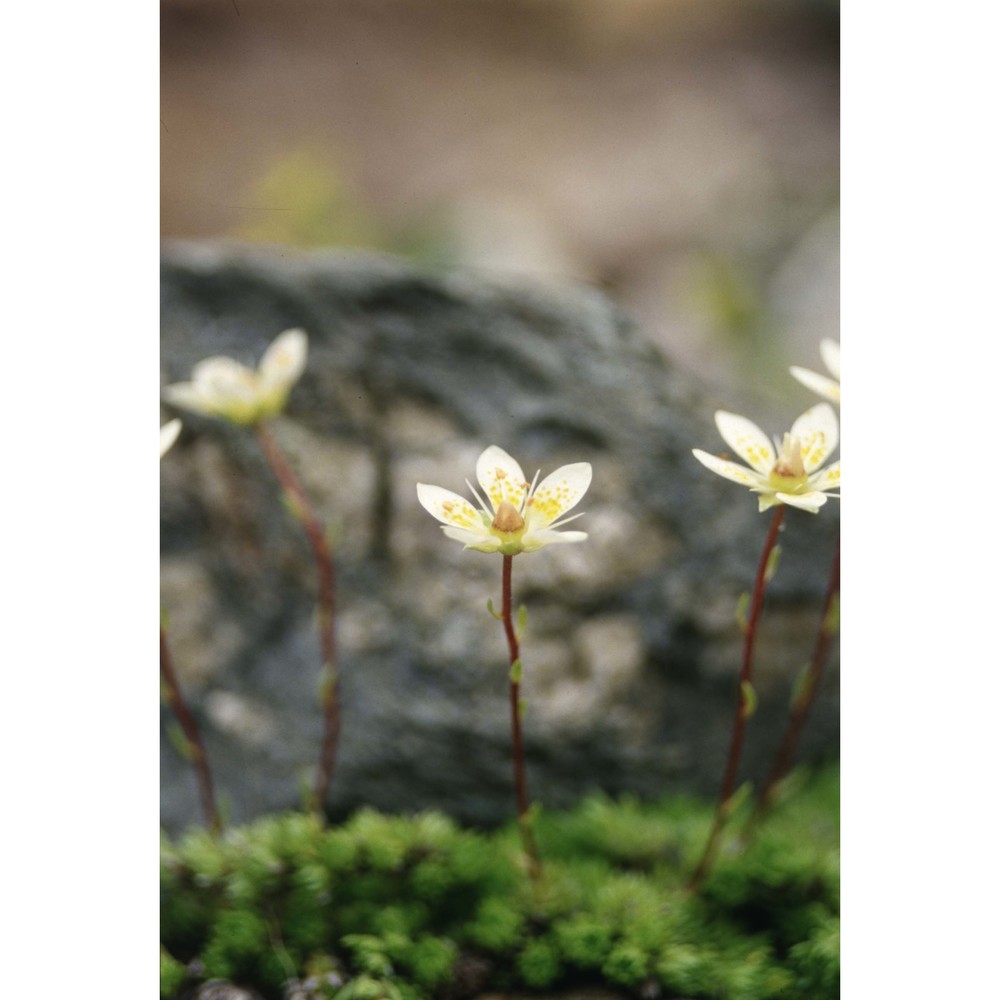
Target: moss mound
x=413 y=907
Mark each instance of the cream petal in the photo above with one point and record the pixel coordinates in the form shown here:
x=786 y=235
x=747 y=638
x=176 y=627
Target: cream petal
x=747 y=440
x=450 y=508
x=557 y=493
x=284 y=361
x=818 y=383
x=829 y=351
x=188 y=396
x=766 y=501
x=547 y=536
x=471 y=540
x=168 y=435
x=810 y=502
x=826 y=479
x=730 y=470
x=819 y=433
x=501 y=478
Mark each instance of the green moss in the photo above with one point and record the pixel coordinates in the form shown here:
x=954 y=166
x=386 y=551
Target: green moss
x=539 y=964
x=172 y=974
x=392 y=906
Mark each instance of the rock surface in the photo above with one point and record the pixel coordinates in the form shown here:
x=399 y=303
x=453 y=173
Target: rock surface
x=631 y=651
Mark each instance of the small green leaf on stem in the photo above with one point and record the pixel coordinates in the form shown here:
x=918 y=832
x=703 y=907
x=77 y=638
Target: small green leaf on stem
x=292 y=504
x=164 y=619
x=737 y=799
x=742 y=607
x=180 y=742
x=522 y=620
x=831 y=623
x=489 y=608
x=326 y=683
x=748 y=699
x=515 y=672
x=803 y=685
x=772 y=564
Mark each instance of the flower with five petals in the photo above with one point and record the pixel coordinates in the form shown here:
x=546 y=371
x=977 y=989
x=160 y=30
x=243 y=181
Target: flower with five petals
x=791 y=474
x=828 y=387
x=521 y=516
x=222 y=387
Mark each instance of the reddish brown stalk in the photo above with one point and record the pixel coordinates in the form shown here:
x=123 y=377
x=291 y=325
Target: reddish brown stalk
x=804 y=698
x=195 y=748
x=520 y=780
x=306 y=516
x=743 y=705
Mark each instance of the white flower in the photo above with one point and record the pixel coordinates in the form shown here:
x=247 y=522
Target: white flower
x=828 y=387
x=791 y=474
x=168 y=435
x=522 y=516
x=222 y=387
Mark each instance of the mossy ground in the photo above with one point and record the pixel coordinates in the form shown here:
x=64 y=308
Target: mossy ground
x=415 y=907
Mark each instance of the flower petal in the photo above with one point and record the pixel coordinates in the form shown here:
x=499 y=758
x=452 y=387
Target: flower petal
x=168 y=435
x=547 y=536
x=471 y=540
x=730 y=470
x=450 y=508
x=501 y=478
x=818 y=431
x=557 y=493
x=826 y=479
x=830 y=353
x=827 y=387
x=189 y=397
x=284 y=361
x=747 y=440
x=810 y=502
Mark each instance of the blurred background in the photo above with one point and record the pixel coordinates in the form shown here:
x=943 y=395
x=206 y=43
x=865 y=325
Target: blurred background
x=681 y=155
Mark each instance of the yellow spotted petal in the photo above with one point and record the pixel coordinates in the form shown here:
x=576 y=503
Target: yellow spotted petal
x=830 y=353
x=557 y=493
x=168 y=435
x=827 y=387
x=284 y=361
x=450 y=508
x=818 y=432
x=730 y=470
x=747 y=440
x=826 y=479
x=501 y=478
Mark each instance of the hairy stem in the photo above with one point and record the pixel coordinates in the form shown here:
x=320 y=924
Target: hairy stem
x=520 y=780
x=804 y=697
x=743 y=707
x=195 y=747
x=306 y=516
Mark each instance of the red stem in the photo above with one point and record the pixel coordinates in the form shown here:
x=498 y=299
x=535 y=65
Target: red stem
x=196 y=749
x=782 y=762
x=742 y=704
x=520 y=780
x=306 y=516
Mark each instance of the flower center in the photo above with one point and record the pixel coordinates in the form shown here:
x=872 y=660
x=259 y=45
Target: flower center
x=508 y=520
x=789 y=470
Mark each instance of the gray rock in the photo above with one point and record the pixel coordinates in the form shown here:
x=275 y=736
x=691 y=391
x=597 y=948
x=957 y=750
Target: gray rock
x=632 y=650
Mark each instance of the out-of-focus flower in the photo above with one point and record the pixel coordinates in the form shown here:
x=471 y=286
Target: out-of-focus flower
x=168 y=435
x=521 y=516
x=826 y=387
x=222 y=387
x=790 y=474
